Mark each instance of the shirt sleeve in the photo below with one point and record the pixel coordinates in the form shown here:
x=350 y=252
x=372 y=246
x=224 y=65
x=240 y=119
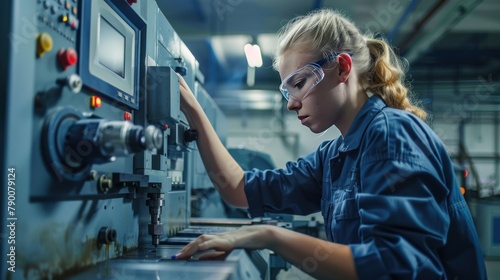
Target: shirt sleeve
x=402 y=204
x=295 y=189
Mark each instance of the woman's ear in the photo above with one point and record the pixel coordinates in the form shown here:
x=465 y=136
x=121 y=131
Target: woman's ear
x=345 y=65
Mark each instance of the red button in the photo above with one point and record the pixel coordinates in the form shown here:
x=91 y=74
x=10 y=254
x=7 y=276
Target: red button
x=130 y=2
x=127 y=116
x=67 y=57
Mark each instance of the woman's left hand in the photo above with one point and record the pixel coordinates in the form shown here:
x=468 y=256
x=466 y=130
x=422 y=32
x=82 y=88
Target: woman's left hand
x=248 y=237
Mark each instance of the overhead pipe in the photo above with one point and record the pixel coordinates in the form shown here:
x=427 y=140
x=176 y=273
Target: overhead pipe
x=424 y=41
x=402 y=20
x=420 y=23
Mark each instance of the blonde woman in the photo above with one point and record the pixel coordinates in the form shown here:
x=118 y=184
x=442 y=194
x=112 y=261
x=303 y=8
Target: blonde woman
x=386 y=187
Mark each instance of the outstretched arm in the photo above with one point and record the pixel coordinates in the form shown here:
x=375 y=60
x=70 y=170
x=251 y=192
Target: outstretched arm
x=319 y=258
x=223 y=170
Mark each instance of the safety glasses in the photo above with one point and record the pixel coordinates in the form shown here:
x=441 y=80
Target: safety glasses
x=301 y=81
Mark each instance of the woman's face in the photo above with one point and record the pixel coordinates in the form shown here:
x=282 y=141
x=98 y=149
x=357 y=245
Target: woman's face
x=323 y=106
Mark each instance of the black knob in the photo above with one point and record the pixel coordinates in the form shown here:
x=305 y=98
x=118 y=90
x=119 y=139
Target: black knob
x=181 y=70
x=190 y=135
x=106 y=235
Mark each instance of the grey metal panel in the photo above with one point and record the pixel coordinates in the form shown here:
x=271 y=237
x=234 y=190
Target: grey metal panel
x=163 y=95
x=168 y=39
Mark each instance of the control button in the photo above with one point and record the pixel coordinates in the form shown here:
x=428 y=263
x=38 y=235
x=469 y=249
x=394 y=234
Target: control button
x=67 y=5
x=75 y=10
x=73 y=82
x=74 y=24
x=72 y=21
x=95 y=102
x=127 y=116
x=190 y=135
x=67 y=57
x=64 y=18
x=130 y=2
x=44 y=44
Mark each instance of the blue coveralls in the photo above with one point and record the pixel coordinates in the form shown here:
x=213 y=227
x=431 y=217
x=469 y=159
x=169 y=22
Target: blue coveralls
x=388 y=190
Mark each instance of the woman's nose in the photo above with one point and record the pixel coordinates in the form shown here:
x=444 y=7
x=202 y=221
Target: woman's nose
x=293 y=104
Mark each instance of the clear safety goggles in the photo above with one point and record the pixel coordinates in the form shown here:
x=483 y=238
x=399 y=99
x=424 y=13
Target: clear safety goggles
x=301 y=81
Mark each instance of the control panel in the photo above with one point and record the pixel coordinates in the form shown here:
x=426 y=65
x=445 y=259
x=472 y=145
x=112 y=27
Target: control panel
x=101 y=171
x=100 y=159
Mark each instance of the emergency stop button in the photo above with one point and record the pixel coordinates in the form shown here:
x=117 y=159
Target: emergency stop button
x=67 y=57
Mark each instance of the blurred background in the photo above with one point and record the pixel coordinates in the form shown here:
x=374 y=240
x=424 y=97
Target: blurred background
x=453 y=53
x=452 y=49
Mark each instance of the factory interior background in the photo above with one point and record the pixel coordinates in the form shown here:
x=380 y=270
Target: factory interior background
x=454 y=67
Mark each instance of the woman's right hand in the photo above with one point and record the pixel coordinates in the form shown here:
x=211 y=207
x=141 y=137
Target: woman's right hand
x=188 y=100
x=225 y=173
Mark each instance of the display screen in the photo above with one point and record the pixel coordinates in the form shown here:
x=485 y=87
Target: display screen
x=111 y=48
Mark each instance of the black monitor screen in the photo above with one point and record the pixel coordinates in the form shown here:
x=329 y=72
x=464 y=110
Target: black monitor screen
x=111 y=48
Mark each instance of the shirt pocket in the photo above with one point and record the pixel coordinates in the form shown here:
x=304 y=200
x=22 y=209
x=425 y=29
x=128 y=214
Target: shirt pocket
x=345 y=198
x=345 y=215
x=346 y=209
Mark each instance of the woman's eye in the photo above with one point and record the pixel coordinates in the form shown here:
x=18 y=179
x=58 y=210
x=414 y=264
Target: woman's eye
x=299 y=84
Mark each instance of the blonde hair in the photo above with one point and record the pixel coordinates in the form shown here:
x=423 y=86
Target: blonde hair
x=379 y=69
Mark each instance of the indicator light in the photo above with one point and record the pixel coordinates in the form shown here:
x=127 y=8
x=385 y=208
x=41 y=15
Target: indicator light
x=127 y=116
x=95 y=102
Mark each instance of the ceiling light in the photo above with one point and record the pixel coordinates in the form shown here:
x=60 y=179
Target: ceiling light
x=254 y=57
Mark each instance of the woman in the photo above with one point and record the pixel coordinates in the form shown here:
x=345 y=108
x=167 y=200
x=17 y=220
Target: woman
x=386 y=186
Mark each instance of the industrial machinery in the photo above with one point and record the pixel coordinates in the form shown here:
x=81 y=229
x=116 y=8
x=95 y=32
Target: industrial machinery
x=97 y=159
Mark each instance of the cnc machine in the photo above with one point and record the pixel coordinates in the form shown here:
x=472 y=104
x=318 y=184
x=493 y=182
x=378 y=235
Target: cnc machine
x=98 y=161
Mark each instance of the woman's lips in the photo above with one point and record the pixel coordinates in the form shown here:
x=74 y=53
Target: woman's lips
x=303 y=119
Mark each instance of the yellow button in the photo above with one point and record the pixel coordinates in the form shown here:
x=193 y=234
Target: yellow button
x=44 y=44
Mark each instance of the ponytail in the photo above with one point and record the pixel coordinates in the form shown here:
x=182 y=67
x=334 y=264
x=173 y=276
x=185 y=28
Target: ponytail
x=387 y=76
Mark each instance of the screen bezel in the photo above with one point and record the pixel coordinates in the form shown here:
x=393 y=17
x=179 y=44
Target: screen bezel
x=95 y=75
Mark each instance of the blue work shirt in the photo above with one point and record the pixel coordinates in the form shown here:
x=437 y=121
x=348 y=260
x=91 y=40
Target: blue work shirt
x=388 y=190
